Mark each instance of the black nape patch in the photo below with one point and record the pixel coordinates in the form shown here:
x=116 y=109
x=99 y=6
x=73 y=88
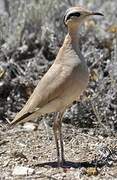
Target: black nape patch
x=77 y=14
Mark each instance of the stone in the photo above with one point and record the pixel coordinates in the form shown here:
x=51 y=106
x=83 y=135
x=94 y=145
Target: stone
x=29 y=126
x=22 y=170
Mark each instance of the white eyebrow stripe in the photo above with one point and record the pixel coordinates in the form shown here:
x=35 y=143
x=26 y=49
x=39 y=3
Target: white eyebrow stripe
x=69 y=12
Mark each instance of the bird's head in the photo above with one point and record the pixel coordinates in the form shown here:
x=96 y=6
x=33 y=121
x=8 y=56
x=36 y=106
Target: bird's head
x=76 y=15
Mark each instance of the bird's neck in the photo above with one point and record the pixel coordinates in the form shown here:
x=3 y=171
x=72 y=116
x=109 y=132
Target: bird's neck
x=74 y=37
x=72 y=41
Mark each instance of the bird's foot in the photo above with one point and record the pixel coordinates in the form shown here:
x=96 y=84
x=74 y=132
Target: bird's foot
x=61 y=163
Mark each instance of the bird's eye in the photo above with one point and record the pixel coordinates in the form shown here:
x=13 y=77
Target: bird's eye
x=74 y=14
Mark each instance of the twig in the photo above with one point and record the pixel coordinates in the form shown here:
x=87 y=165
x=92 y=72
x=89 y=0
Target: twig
x=3 y=142
x=89 y=136
x=98 y=116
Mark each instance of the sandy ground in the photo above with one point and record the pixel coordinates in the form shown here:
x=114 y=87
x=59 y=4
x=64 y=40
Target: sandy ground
x=87 y=156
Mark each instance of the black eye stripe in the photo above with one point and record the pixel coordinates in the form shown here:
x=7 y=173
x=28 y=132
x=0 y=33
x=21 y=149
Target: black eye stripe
x=77 y=14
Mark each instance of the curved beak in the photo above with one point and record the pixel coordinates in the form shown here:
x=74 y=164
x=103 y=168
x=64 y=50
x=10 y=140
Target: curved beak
x=96 y=13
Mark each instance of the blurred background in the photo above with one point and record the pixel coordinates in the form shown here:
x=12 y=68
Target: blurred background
x=31 y=33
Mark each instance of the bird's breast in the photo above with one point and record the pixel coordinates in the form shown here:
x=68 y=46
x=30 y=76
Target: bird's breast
x=75 y=71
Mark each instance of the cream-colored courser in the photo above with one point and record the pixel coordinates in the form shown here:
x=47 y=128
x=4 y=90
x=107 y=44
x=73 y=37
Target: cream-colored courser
x=64 y=82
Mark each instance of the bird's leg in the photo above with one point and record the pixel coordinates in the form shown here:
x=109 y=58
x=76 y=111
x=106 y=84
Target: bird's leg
x=61 y=139
x=55 y=129
x=58 y=135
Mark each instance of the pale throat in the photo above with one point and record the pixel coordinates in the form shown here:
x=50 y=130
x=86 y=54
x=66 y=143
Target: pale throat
x=74 y=37
x=73 y=33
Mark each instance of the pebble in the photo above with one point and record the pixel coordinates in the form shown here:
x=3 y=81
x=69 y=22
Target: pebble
x=22 y=170
x=29 y=126
x=41 y=171
x=100 y=137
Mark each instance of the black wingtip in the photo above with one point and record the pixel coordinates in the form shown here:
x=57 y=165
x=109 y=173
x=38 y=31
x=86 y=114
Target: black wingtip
x=16 y=121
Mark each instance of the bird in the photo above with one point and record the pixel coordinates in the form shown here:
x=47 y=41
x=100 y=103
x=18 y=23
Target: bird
x=63 y=83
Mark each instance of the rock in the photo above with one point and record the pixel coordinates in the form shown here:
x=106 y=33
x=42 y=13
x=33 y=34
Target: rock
x=21 y=171
x=29 y=126
x=100 y=137
x=23 y=48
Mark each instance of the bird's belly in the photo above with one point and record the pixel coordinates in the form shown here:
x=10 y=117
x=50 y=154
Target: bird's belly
x=72 y=90
x=73 y=93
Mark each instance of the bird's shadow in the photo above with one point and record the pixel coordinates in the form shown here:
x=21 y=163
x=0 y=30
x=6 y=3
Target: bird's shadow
x=69 y=164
